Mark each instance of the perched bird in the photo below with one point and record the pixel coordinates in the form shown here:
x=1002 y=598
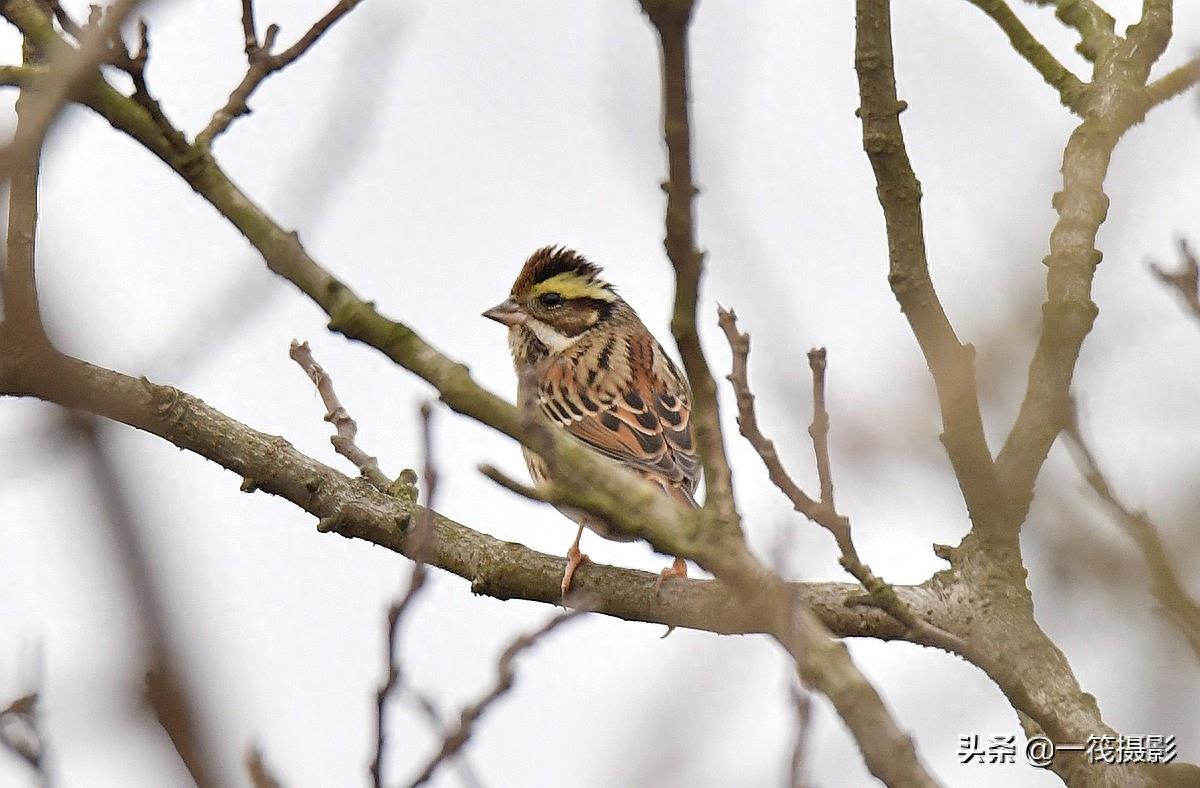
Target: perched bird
x=603 y=377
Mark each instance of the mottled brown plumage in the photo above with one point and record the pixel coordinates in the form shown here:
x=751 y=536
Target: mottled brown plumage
x=600 y=375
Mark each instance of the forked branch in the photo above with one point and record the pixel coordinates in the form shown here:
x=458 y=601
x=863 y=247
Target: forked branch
x=263 y=63
x=337 y=415
x=821 y=512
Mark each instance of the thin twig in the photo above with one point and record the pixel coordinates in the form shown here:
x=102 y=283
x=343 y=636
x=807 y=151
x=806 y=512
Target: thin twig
x=66 y=21
x=166 y=690
x=1183 y=611
x=134 y=64
x=422 y=536
x=1170 y=85
x=416 y=581
x=819 y=429
x=802 y=703
x=249 y=31
x=1185 y=280
x=262 y=64
x=1095 y=25
x=21 y=735
x=339 y=417
x=747 y=418
x=258 y=772
x=457 y=738
x=466 y=773
x=820 y=512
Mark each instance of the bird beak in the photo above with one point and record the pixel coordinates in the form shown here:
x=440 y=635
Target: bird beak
x=506 y=312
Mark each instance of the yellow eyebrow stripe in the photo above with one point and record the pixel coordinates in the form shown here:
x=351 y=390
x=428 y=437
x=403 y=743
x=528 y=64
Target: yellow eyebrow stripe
x=572 y=285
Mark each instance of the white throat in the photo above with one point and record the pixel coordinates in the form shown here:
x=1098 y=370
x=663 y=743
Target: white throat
x=552 y=338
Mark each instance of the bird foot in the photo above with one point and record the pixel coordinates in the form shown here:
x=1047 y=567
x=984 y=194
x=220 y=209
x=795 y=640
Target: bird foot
x=574 y=559
x=677 y=569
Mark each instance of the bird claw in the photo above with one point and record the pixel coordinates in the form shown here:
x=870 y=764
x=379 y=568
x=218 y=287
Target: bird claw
x=574 y=559
x=677 y=569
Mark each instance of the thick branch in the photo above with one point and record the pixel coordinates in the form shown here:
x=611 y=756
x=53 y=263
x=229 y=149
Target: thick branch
x=951 y=363
x=354 y=509
x=1117 y=102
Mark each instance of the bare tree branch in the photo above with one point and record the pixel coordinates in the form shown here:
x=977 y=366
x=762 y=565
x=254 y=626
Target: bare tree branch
x=396 y=611
x=1185 y=280
x=66 y=21
x=802 y=703
x=19 y=309
x=1070 y=89
x=416 y=581
x=1116 y=102
x=337 y=415
x=951 y=363
x=822 y=512
x=1183 y=611
x=21 y=735
x=263 y=63
x=166 y=689
x=671 y=19
x=256 y=769
x=354 y=509
x=1095 y=25
x=458 y=737
x=819 y=429
x=1171 y=85
x=134 y=64
x=72 y=67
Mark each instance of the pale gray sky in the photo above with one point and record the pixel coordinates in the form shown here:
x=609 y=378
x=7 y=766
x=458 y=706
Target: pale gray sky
x=422 y=151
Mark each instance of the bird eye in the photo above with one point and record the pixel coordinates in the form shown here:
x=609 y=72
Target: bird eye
x=551 y=300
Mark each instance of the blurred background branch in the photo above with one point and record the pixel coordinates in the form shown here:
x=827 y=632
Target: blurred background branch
x=1180 y=608
x=1185 y=279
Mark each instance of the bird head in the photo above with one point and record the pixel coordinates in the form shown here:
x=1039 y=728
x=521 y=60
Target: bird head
x=556 y=299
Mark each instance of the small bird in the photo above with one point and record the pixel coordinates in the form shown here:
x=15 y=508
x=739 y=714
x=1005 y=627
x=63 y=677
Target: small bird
x=603 y=377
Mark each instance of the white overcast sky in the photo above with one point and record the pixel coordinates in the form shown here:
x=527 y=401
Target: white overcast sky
x=422 y=150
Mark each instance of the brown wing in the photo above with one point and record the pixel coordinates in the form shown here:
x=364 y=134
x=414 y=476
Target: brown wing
x=625 y=398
